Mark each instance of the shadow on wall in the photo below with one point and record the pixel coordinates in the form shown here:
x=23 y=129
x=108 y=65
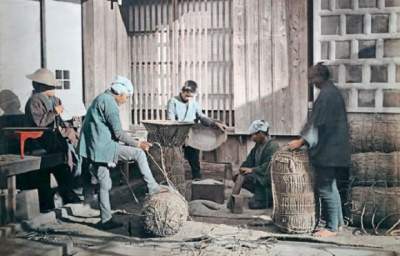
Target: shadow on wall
x=9 y=103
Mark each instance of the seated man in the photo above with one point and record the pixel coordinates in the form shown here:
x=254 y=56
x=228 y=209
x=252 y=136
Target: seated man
x=255 y=169
x=43 y=109
x=99 y=144
x=184 y=108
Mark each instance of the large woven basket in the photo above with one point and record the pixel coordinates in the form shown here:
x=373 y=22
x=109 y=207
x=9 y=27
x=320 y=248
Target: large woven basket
x=167 y=133
x=379 y=132
x=380 y=204
x=376 y=168
x=293 y=192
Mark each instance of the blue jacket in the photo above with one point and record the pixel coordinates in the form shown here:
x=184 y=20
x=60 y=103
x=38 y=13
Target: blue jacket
x=102 y=131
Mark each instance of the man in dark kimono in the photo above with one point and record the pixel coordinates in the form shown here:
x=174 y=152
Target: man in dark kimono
x=255 y=168
x=327 y=137
x=43 y=109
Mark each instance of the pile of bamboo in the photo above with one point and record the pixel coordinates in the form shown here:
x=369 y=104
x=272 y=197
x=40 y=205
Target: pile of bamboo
x=375 y=171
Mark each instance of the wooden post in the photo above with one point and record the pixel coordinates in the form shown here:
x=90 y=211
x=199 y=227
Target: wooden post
x=12 y=202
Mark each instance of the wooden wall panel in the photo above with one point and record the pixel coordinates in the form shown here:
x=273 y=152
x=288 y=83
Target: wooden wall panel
x=181 y=40
x=106 y=50
x=270 y=59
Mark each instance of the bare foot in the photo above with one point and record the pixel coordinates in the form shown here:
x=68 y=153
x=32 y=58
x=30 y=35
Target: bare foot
x=324 y=233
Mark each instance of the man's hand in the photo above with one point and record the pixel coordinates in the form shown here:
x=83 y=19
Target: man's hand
x=145 y=145
x=295 y=144
x=59 y=109
x=245 y=170
x=220 y=126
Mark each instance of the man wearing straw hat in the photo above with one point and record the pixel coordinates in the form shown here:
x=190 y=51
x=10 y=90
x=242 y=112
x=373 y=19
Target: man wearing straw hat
x=43 y=109
x=255 y=169
x=327 y=137
x=184 y=108
x=99 y=143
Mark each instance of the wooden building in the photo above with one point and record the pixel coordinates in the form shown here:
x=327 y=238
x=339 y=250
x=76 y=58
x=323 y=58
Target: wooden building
x=250 y=57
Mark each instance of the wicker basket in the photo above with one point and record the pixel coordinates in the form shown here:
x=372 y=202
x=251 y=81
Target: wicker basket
x=167 y=133
x=376 y=168
x=384 y=202
x=293 y=192
x=379 y=132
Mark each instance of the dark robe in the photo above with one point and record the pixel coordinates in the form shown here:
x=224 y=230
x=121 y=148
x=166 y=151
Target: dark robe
x=259 y=159
x=329 y=117
x=63 y=137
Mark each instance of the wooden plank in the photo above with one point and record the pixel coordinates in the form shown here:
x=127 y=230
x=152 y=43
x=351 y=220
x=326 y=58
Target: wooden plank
x=88 y=27
x=239 y=69
x=12 y=198
x=266 y=83
x=230 y=73
x=280 y=63
x=298 y=56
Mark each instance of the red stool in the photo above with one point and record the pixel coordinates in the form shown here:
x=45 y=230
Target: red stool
x=25 y=133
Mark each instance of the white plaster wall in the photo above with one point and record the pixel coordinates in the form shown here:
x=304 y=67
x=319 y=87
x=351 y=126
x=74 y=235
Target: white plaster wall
x=19 y=52
x=64 y=48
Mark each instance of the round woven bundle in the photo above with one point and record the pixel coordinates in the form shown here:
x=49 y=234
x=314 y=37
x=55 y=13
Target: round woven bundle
x=164 y=214
x=293 y=192
x=376 y=168
x=372 y=205
x=369 y=133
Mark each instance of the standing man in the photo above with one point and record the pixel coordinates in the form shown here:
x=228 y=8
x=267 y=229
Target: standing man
x=327 y=137
x=99 y=144
x=255 y=169
x=184 y=108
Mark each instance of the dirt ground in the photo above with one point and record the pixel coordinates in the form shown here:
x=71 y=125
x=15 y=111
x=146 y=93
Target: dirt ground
x=251 y=233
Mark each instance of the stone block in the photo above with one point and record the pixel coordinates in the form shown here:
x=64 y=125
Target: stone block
x=353 y=73
x=330 y=25
x=344 y=4
x=367 y=3
x=334 y=73
x=354 y=24
x=392 y=3
x=343 y=49
x=208 y=190
x=325 y=4
x=379 y=73
x=379 y=23
x=398 y=73
x=5 y=232
x=391 y=48
x=391 y=98
x=325 y=50
x=236 y=203
x=366 y=98
x=27 y=205
x=42 y=219
x=366 y=49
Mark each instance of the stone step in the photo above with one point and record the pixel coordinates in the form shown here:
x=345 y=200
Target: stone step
x=22 y=247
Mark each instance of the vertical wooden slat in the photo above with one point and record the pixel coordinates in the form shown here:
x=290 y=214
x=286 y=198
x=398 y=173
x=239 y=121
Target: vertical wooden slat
x=266 y=85
x=207 y=58
x=231 y=98
x=239 y=68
